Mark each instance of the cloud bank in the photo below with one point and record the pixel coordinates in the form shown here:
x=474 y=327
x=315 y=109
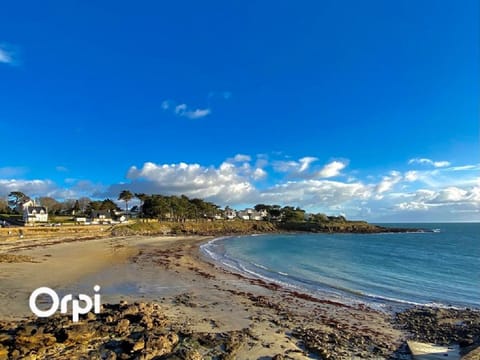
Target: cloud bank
x=442 y=193
x=6 y=57
x=425 y=161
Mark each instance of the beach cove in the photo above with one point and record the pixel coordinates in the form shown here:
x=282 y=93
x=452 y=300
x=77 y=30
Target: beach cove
x=199 y=310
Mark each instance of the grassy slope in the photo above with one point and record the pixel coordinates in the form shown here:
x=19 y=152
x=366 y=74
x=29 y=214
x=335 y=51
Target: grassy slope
x=240 y=227
x=195 y=228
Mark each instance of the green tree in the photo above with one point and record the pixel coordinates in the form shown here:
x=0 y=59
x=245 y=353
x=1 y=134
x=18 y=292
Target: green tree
x=275 y=212
x=319 y=218
x=126 y=196
x=106 y=205
x=291 y=214
x=15 y=198
x=156 y=206
x=142 y=197
x=260 y=207
x=109 y=205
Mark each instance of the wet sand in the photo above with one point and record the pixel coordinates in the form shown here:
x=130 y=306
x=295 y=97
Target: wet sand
x=199 y=298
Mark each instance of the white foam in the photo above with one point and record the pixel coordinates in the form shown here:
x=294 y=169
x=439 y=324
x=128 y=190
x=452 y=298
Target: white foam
x=260 y=266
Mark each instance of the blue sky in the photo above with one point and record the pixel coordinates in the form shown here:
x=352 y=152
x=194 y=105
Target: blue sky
x=368 y=108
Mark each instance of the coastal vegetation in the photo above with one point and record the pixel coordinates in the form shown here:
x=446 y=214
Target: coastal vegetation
x=160 y=207
x=171 y=214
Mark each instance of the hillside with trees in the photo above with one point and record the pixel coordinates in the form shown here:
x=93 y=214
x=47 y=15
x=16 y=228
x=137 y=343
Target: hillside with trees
x=170 y=210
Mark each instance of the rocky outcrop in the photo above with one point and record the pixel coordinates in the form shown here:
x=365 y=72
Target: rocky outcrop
x=241 y=227
x=337 y=344
x=119 y=332
x=355 y=227
x=442 y=326
x=141 y=331
x=135 y=331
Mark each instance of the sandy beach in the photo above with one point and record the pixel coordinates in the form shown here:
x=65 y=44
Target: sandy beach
x=195 y=298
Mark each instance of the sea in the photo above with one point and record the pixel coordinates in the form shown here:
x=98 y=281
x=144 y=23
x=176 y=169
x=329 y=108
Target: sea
x=438 y=266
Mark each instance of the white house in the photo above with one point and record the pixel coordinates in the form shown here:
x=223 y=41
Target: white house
x=101 y=217
x=252 y=214
x=34 y=214
x=244 y=215
x=259 y=215
x=230 y=214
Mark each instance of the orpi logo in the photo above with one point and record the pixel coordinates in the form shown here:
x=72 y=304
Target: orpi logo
x=82 y=305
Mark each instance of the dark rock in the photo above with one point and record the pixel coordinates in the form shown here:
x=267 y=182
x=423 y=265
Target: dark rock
x=441 y=326
x=122 y=326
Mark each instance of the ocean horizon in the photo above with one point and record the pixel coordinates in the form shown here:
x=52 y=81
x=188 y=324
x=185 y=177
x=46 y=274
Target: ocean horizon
x=438 y=267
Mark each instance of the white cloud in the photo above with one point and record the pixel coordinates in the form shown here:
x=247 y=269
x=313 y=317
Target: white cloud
x=180 y=109
x=455 y=194
x=285 y=166
x=425 y=161
x=234 y=182
x=34 y=188
x=415 y=195
x=464 y=168
x=227 y=183
x=183 y=110
x=166 y=104
x=259 y=174
x=241 y=158
x=439 y=164
x=30 y=187
x=316 y=193
x=387 y=183
x=456 y=199
x=437 y=178
x=45 y=187
x=303 y=168
x=411 y=175
x=305 y=162
x=6 y=56
x=332 y=169
x=197 y=114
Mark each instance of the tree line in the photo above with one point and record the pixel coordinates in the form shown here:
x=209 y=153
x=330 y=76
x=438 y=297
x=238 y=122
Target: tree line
x=161 y=207
x=80 y=206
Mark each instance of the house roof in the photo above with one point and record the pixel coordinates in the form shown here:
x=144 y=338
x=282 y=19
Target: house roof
x=106 y=213
x=31 y=209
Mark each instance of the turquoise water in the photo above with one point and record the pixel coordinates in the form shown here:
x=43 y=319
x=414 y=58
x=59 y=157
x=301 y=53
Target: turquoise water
x=440 y=268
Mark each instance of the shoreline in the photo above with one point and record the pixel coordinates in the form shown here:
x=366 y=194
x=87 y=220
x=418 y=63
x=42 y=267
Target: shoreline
x=199 y=299
x=341 y=296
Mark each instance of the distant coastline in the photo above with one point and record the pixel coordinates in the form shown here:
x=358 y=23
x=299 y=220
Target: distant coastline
x=238 y=227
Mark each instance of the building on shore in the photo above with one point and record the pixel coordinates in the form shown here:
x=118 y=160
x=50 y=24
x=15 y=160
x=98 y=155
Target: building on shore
x=35 y=214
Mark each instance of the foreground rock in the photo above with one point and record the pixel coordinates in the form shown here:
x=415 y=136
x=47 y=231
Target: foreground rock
x=142 y=331
x=136 y=331
x=343 y=345
x=442 y=326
